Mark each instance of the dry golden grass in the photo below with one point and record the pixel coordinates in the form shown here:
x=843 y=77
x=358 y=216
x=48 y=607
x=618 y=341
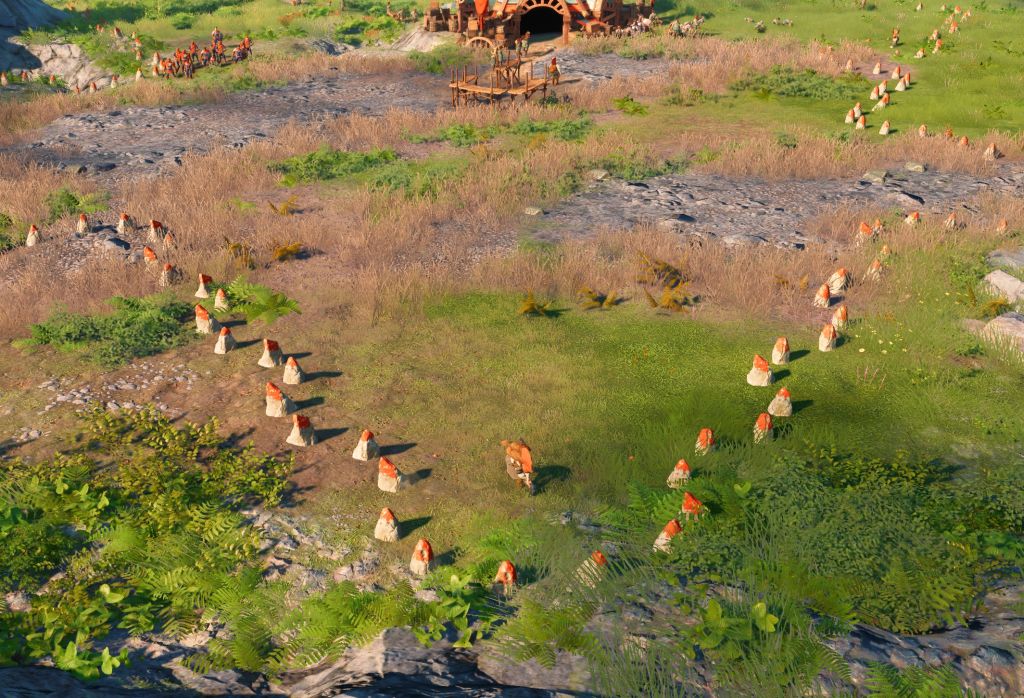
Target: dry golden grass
x=19 y=116
x=815 y=156
x=710 y=65
x=24 y=186
x=382 y=251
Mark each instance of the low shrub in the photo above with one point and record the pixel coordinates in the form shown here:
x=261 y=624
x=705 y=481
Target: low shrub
x=65 y=202
x=442 y=59
x=786 y=82
x=327 y=164
x=137 y=327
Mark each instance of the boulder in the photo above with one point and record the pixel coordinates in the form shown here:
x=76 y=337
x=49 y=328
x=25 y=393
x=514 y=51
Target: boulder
x=1011 y=259
x=1008 y=328
x=1003 y=284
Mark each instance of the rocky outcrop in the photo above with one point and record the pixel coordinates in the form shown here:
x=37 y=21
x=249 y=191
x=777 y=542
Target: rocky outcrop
x=15 y=17
x=985 y=653
x=743 y=211
x=26 y=14
x=1011 y=258
x=396 y=663
x=69 y=63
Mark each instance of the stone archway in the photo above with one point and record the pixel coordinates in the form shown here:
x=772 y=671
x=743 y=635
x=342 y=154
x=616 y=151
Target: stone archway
x=542 y=14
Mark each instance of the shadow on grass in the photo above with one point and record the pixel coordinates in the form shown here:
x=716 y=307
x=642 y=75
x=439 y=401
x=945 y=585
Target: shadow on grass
x=300 y=355
x=293 y=496
x=799 y=405
x=421 y=474
x=781 y=374
x=798 y=354
x=247 y=343
x=322 y=374
x=549 y=474
x=406 y=528
x=234 y=440
x=395 y=449
x=445 y=559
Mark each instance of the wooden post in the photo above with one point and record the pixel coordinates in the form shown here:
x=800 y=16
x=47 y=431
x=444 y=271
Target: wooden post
x=566 y=23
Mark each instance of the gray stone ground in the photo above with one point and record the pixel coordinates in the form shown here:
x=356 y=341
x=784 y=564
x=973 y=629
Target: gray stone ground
x=150 y=140
x=756 y=212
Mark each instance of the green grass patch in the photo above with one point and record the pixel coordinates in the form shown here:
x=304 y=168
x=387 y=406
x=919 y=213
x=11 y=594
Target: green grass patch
x=362 y=30
x=10 y=235
x=787 y=82
x=327 y=164
x=465 y=135
x=65 y=202
x=441 y=59
x=137 y=327
x=376 y=169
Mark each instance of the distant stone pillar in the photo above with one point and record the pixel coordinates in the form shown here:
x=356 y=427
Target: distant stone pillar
x=566 y=22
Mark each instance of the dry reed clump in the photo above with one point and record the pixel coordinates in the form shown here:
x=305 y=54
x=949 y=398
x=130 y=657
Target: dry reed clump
x=711 y=64
x=729 y=282
x=20 y=116
x=313 y=64
x=24 y=187
x=810 y=155
x=30 y=294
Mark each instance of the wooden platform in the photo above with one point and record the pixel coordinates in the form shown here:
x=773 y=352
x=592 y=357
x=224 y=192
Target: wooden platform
x=507 y=81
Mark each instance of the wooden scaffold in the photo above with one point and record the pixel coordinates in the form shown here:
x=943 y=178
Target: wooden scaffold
x=510 y=79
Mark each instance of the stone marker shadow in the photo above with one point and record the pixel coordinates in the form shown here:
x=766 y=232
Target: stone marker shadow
x=406 y=528
x=328 y=434
x=395 y=449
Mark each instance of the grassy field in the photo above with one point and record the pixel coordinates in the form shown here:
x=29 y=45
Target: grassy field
x=891 y=497
x=972 y=85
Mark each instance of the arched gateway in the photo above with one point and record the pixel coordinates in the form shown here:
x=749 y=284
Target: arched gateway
x=504 y=21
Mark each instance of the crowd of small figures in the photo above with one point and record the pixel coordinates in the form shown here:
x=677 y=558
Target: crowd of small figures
x=183 y=63
x=882 y=96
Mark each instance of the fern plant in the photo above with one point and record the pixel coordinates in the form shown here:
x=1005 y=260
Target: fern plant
x=259 y=303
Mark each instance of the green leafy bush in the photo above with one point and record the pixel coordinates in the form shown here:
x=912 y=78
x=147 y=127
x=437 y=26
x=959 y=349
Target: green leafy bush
x=137 y=327
x=628 y=105
x=360 y=30
x=182 y=20
x=427 y=178
x=563 y=129
x=786 y=82
x=327 y=164
x=65 y=202
x=442 y=59
x=10 y=237
x=465 y=135
x=143 y=521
